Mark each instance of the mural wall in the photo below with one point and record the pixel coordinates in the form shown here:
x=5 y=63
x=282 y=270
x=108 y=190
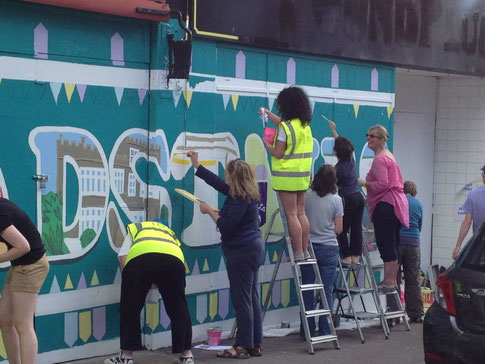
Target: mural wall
x=84 y=101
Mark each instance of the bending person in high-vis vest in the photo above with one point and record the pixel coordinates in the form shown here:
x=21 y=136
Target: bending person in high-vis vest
x=151 y=254
x=292 y=162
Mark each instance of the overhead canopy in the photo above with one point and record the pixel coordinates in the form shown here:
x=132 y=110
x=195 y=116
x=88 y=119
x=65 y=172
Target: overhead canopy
x=142 y=9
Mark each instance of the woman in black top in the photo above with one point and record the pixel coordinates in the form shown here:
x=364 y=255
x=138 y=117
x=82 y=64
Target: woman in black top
x=353 y=199
x=243 y=247
x=29 y=267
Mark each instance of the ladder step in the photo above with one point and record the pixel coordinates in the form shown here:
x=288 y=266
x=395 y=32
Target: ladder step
x=394 y=314
x=315 y=313
x=361 y=315
x=311 y=287
x=323 y=339
x=308 y=261
x=355 y=290
x=352 y=266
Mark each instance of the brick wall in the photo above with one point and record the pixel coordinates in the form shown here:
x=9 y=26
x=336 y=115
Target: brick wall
x=459 y=154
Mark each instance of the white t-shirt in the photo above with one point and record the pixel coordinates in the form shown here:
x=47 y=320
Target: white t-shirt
x=281 y=134
x=125 y=247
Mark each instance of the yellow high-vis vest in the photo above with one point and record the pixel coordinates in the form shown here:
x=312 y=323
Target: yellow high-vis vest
x=153 y=237
x=292 y=172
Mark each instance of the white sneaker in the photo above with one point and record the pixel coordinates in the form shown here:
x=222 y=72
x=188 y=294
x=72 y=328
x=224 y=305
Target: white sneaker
x=119 y=360
x=184 y=360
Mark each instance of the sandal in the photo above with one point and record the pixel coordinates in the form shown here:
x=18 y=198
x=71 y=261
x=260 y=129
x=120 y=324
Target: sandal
x=385 y=288
x=236 y=352
x=257 y=350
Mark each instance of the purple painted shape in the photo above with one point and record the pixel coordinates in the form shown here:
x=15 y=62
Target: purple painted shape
x=291 y=71
x=335 y=76
x=240 y=65
x=223 y=303
x=117 y=50
x=195 y=268
x=81 y=90
x=41 y=41
x=141 y=95
x=261 y=172
x=70 y=328
x=99 y=322
x=82 y=282
x=164 y=320
x=276 y=294
x=374 y=80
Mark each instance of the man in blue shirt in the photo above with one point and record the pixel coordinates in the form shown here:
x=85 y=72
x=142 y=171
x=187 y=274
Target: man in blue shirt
x=410 y=256
x=474 y=208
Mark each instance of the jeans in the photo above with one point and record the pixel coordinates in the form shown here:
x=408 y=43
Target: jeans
x=327 y=258
x=242 y=271
x=411 y=260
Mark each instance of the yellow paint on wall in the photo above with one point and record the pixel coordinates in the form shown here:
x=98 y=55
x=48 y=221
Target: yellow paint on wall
x=235 y=99
x=285 y=292
x=69 y=87
x=390 y=109
x=85 y=325
x=275 y=256
x=188 y=97
x=0 y=81
x=213 y=305
x=356 y=110
x=68 y=284
x=187 y=270
x=152 y=314
x=205 y=268
x=3 y=352
x=264 y=291
x=94 y=280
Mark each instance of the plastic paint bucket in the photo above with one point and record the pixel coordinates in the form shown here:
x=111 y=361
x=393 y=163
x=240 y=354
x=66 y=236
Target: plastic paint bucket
x=269 y=134
x=214 y=336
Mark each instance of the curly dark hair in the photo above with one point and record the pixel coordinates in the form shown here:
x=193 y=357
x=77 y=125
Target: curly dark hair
x=343 y=148
x=325 y=181
x=293 y=103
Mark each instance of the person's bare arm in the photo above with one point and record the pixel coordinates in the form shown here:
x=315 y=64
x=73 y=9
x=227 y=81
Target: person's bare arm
x=333 y=128
x=278 y=150
x=20 y=245
x=464 y=228
x=275 y=119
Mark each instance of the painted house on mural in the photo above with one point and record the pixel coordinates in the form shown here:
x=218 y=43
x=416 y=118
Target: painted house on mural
x=85 y=101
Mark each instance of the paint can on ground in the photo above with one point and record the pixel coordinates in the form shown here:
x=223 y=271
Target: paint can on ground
x=214 y=336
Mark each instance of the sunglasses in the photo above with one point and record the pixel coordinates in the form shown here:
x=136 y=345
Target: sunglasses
x=372 y=136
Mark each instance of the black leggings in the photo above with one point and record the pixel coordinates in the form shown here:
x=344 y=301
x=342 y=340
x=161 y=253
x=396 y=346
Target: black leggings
x=353 y=211
x=387 y=228
x=168 y=273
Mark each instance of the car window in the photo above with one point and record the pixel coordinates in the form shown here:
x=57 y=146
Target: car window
x=475 y=258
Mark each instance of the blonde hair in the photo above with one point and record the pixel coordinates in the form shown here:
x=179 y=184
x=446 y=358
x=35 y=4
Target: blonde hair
x=242 y=180
x=410 y=188
x=381 y=131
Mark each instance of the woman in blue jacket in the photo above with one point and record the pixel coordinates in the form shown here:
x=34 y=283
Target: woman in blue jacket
x=243 y=247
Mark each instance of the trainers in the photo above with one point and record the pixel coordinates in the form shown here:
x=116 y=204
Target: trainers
x=185 y=360
x=119 y=360
x=306 y=255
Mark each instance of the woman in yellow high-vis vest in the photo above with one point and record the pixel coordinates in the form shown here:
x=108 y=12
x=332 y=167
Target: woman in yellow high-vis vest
x=292 y=162
x=151 y=254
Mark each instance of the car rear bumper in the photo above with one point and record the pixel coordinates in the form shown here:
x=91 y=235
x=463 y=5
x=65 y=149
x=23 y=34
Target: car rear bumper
x=444 y=342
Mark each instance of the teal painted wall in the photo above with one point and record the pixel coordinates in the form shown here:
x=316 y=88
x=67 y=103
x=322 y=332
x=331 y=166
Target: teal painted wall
x=77 y=104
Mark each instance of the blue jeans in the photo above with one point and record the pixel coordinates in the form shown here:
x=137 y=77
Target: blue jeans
x=327 y=258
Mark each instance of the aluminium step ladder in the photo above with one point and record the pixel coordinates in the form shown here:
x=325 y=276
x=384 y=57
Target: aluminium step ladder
x=317 y=286
x=362 y=286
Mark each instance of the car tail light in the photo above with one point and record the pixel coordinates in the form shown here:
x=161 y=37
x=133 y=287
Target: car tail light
x=444 y=294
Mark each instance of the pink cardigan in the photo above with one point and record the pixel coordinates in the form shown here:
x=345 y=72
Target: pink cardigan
x=387 y=186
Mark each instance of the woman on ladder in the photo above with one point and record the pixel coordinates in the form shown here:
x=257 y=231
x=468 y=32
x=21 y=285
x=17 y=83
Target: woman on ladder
x=292 y=162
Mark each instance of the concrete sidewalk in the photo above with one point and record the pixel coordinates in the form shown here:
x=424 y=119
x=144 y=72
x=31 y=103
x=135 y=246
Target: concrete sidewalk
x=401 y=347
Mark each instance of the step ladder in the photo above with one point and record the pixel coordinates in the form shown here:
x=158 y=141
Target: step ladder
x=368 y=287
x=316 y=286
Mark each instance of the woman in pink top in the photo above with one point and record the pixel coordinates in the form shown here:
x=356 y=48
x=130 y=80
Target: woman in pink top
x=388 y=205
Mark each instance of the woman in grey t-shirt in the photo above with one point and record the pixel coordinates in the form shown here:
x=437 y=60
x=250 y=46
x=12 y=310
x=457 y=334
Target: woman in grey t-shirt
x=324 y=209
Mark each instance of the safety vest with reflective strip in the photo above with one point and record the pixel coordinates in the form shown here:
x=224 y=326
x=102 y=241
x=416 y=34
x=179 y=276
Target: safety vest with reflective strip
x=292 y=171
x=153 y=237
